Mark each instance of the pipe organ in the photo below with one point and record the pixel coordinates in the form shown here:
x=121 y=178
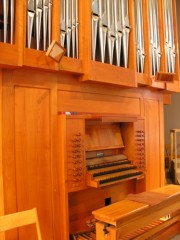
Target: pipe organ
x=111 y=30
x=86 y=131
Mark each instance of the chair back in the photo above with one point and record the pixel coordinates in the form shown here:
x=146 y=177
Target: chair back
x=20 y=219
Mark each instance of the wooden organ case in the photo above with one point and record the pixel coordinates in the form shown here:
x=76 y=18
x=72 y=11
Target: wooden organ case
x=105 y=160
x=94 y=159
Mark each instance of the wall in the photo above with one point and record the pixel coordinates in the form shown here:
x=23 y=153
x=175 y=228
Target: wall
x=172 y=111
x=172 y=116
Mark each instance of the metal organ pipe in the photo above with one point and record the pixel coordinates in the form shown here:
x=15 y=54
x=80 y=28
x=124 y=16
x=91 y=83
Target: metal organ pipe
x=39 y=20
x=30 y=21
x=169 y=36
x=7 y=24
x=118 y=30
x=12 y=21
x=69 y=37
x=140 y=53
x=95 y=20
x=45 y=23
x=110 y=29
x=103 y=27
x=154 y=36
x=62 y=20
x=5 y=12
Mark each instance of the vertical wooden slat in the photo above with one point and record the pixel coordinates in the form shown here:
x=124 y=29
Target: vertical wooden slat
x=1 y=164
x=62 y=178
x=56 y=16
x=58 y=206
x=8 y=145
x=152 y=140
x=85 y=33
x=161 y=142
x=33 y=156
x=20 y=28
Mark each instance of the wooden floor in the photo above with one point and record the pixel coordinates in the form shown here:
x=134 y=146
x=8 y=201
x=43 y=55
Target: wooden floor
x=177 y=237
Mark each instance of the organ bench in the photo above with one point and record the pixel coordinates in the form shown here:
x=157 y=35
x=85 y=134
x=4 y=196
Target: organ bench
x=140 y=216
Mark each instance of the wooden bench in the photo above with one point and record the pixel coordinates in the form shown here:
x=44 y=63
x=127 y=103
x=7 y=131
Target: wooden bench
x=140 y=216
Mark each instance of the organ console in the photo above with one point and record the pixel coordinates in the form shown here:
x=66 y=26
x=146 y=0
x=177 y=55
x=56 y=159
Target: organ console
x=112 y=169
x=97 y=153
x=103 y=153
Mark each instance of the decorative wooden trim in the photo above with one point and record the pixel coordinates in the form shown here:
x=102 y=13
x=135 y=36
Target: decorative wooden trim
x=106 y=73
x=55 y=51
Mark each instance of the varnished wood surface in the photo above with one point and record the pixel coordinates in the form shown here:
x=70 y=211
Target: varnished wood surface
x=32 y=153
x=137 y=204
x=85 y=203
x=61 y=187
x=96 y=103
x=34 y=150
x=103 y=136
x=106 y=73
x=6 y=51
x=117 y=211
x=30 y=96
x=20 y=219
x=1 y=158
x=88 y=70
x=156 y=230
x=31 y=170
x=147 y=64
x=8 y=139
x=151 y=113
x=129 y=220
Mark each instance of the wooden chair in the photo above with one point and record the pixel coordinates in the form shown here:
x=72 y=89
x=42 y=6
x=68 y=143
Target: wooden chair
x=19 y=219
